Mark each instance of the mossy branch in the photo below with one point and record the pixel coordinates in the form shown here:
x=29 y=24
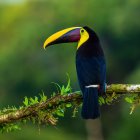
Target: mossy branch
x=48 y=110
x=32 y=110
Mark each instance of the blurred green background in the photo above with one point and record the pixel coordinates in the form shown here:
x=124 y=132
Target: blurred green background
x=26 y=69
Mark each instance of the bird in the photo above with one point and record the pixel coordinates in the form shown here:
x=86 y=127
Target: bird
x=90 y=65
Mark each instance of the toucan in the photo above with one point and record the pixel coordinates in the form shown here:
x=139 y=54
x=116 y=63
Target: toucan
x=90 y=65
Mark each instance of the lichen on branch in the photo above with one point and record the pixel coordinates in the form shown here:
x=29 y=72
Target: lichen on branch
x=42 y=110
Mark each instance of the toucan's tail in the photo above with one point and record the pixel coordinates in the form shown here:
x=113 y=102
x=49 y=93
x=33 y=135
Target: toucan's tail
x=90 y=108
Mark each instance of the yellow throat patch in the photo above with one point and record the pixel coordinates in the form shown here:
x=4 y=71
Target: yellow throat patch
x=84 y=37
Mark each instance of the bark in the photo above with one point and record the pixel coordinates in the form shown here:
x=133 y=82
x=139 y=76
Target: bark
x=32 y=110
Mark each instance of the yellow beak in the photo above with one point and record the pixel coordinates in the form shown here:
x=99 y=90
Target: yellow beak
x=67 y=35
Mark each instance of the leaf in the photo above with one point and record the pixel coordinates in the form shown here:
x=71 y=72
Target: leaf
x=132 y=109
x=33 y=101
x=26 y=101
x=60 y=112
x=68 y=87
x=58 y=87
x=43 y=97
x=129 y=100
x=101 y=100
x=36 y=100
x=62 y=90
x=75 y=110
x=68 y=105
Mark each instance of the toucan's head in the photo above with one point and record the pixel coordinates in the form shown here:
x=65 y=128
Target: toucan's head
x=73 y=34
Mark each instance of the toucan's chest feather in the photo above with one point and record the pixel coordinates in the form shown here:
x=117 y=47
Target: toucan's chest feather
x=90 y=65
x=90 y=49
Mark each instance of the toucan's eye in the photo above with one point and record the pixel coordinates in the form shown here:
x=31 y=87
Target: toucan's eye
x=82 y=31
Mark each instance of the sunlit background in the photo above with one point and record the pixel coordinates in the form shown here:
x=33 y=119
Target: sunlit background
x=26 y=69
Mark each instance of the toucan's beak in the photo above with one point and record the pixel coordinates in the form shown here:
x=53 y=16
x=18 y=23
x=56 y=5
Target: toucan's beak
x=64 y=36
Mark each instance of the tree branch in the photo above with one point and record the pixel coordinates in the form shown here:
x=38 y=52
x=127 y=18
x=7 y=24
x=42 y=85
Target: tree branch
x=32 y=110
x=123 y=88
x=44 y=111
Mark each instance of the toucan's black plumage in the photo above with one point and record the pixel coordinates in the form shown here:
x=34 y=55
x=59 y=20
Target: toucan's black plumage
x=90 y=65
x=91 y=70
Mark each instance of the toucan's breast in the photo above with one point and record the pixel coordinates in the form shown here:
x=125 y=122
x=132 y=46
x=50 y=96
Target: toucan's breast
x=90 y=65
x=90 y=49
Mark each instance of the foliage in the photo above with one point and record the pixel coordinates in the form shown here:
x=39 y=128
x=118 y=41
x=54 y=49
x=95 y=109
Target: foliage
x=42 y=116
x=36 y=109
x=108 y=99
x=133 y=100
